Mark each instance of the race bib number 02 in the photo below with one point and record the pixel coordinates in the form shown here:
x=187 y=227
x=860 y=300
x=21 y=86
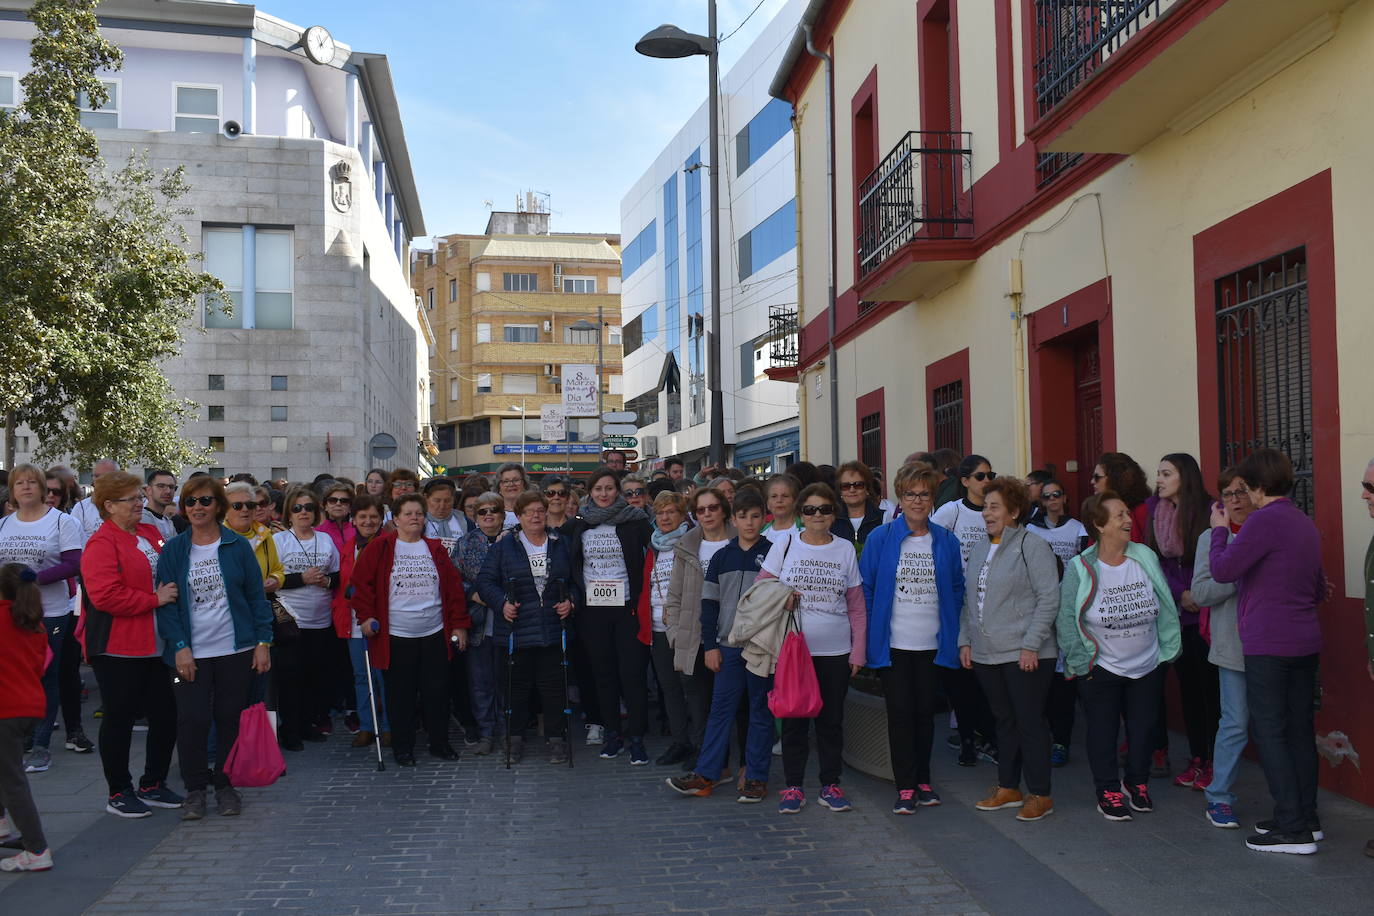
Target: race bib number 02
x=606 y=593
x=539 y=565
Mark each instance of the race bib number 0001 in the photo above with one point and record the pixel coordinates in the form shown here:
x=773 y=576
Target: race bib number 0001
x=606 y=593
x=539 y=565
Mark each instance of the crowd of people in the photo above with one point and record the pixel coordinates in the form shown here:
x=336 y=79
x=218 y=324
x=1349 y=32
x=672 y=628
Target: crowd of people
x=498 y=608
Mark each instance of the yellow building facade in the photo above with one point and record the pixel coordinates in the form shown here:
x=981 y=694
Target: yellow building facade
x=1062 y=228
x=507 y=311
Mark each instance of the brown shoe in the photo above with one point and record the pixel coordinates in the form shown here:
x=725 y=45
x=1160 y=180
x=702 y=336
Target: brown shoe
x=691 y=784
x=752 y=791
x=363 y=738
x=1001 y=798
x=386 y=739
x=1036 y=807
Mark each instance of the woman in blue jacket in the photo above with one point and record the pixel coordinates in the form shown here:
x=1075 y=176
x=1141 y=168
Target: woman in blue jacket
x=216 y=635
x=913 y=581
x=528 y=576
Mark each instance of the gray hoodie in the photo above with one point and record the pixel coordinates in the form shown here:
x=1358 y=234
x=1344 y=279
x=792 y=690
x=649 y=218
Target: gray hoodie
x=1221 y=597
x=1020 y=603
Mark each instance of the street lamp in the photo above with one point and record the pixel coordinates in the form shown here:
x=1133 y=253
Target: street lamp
x=521 y=408
x=669 y=41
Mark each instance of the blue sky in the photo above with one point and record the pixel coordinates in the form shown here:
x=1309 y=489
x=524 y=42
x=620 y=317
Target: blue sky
x=504 y=96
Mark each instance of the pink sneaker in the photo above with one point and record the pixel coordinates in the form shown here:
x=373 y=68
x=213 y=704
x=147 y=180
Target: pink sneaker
x=1204 y=778
x=1191 y=774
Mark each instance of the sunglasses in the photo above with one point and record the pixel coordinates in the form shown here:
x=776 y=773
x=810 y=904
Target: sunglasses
x=488 y=510
x=708 y=507
x=853 y=485
x=52 y=492
x=302 y=507
x=338 y=501
x=637 y=491
x=984 y=475
x=818 y=510
x=1053 y=494
x=201 y=500
x=239 y=507
x=556 y=494
x=1368 y=487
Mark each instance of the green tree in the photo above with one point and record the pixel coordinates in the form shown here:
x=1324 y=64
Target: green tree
x=96 y=284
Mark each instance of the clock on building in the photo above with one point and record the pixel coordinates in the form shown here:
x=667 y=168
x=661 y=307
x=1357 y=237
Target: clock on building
x=319 y=44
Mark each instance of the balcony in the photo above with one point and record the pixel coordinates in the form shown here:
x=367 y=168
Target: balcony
x=1111 y=75
x=521 y=354
x=583 y=305
x=916 y=216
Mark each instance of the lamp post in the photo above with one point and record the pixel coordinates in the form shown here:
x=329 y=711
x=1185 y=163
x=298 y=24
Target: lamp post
x=521 y=408
x=669 y=41
x=583 y=324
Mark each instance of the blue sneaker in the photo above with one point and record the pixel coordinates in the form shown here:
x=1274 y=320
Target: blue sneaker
x=832 y=797
x=126 y=804
x=159 y=796
x=612 y=748
x=638 y=756
x=792 y=800
x=1059 y=755
x=1222 y=816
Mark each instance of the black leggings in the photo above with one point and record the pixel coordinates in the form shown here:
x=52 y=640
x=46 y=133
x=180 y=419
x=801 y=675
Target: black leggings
x=620 y=662
x=1017 y=699
x=832 y=675
x=537 y=670
x=1199 y=692
x=969 y=703
x=419 y=667
x=219 y=692
x=128 y=687
x=909 y=686
x=304 y=671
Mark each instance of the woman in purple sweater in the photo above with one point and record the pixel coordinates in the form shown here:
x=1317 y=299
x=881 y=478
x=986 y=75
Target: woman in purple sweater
x=1275 y=560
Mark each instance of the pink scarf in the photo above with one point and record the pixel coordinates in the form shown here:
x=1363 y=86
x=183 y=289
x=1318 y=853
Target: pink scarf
x=1167 y=538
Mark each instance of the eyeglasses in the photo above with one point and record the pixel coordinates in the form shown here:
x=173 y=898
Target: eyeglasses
x=338 y=500
x=136 y=498
x=1053 y=494
x=239 y=507
x=201 y=500
x=1097 y=477
x=506 y=480
x=984 y=475
x=637 y=491
x=708 y=507
x=818 y=510
x=556 y=494
x=853 y=485
x=302 y=507
x=917 y=496
x=1237 y=494
x=490 y=510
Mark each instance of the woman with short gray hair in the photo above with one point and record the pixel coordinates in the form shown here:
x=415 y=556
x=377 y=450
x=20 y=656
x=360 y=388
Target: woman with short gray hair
x=468 y=555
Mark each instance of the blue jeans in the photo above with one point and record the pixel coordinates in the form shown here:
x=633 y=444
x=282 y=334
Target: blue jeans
x=483 y=689
x=365 y=723
x=732 y=680
x=1281 y=689
x=1232 y=737
x=57 y=634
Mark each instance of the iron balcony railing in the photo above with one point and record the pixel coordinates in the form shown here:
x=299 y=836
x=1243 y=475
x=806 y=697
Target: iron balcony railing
x=782 y=335
x=921 y=189
x=1073 y=38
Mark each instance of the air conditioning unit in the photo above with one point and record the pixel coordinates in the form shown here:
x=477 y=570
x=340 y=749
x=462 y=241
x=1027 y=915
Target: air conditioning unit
x=558 y=278
x=648 y=446
x=548 y=369
x=548 y=327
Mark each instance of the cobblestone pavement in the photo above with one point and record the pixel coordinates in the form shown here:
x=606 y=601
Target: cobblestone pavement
x=336 y=837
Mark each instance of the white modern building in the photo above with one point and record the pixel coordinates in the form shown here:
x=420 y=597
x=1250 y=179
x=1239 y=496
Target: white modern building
x=665 y=269
x=303 y=205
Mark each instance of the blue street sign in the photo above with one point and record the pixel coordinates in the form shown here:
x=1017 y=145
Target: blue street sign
x=548 y=448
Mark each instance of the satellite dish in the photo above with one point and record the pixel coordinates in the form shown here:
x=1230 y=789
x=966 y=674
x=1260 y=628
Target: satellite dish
x=488 y=203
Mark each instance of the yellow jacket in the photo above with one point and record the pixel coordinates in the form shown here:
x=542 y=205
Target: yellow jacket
x=265 y=549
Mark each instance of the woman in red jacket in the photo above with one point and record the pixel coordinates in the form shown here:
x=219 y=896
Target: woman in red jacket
x=117 y=570
x=408 y=597
x=23 y=646
x=368 y=512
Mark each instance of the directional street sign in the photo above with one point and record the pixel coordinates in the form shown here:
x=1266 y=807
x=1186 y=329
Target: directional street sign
x=618 y=416
x=620 y=442
x=619 y=429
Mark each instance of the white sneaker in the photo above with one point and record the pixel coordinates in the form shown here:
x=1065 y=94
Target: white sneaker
x=28 y=861
x=5 y=827
x=777 y=748
x=37 y=760
x=596 y=734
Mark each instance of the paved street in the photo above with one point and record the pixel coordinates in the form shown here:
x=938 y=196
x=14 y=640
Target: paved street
x=336 y=837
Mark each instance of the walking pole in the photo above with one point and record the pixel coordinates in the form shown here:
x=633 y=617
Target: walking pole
x=567 y=696
x=510 y=668
x=372 y=702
